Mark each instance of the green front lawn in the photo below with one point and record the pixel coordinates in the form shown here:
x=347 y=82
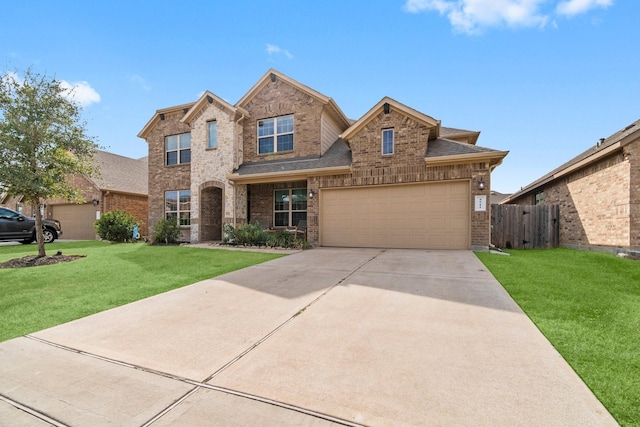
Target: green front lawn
x=588 y=305
x=111 y=275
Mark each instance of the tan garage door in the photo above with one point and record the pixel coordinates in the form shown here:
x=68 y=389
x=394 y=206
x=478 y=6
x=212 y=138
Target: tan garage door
x=421 y=216
x=76 y=221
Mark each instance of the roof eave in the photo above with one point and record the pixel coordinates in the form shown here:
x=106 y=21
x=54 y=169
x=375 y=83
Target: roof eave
x=207 y=97
x=156 y=118
x=366 y=118
x=456 y=159
x=296 y=175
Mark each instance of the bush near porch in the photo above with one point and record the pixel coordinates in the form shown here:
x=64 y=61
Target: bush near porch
x=255 y=235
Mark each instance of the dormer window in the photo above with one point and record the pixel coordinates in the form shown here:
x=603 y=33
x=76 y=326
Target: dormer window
x=275 y=135
x=387 y=141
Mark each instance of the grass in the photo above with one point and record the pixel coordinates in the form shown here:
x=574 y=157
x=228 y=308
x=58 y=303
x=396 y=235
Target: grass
x=588 y=305
x=111 y=275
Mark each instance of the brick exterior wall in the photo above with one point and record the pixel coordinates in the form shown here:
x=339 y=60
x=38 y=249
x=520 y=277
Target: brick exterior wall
x=410 y=143
x=480 y=221
x=632 y=154
x=135 y=205
x=598 y=204
x=165 y=178
x=279 y=99
x=261 y=200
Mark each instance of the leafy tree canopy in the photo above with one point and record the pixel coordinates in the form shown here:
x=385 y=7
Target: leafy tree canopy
x=42 y=139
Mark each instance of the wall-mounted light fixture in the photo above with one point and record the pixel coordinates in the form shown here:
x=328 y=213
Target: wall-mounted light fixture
x=481 y=184
x=95 y=202
x=311 y=194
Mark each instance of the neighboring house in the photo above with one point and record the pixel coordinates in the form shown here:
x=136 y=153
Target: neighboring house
x=120 y=185
x=497 y=197
x=598 y=193
x=285 y=153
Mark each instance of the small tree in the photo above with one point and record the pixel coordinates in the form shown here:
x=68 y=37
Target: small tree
x=42 y=141
x=115 y=226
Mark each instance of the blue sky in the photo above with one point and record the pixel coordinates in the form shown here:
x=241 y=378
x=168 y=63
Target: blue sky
x=543 y=79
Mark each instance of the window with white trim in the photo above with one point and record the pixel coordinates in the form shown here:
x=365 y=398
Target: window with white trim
x=387 y=141
x=289 y=207
x=212 y=134
x=177 y=204
x=177 y=149
x=275 y=135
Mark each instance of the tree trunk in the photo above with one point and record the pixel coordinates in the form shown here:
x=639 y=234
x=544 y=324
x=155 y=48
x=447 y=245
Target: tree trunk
x=39 y=236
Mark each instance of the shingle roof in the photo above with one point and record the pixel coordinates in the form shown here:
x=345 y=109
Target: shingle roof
x=601 y=145
x=120 y=173
x=446 y=147
x=337 y=155
x=445 y=131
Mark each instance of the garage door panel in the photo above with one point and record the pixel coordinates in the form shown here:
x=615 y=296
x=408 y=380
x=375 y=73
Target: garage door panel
x=431 y=216
x=76 y=221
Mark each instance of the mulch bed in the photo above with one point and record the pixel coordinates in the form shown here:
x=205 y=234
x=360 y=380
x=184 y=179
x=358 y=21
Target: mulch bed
x=35 y=260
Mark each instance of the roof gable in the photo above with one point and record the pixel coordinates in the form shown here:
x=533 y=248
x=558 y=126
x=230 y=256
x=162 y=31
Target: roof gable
x=159 y=115
x=272 y=75
x=206 y=99
x=392 y=104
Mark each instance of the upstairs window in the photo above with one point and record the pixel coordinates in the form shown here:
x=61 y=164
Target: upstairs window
x=178 y=149
x=212 y=141
x=387 y=141
x=538 y=198
x=275 y=135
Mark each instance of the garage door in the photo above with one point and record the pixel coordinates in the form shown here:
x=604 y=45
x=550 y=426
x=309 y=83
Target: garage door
x=421 y=216
x=76 y=221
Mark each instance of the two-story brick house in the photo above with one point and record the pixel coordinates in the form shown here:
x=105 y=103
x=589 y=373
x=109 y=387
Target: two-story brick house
x=285 y=153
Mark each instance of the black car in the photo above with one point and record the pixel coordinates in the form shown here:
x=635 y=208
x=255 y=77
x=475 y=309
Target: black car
x=15 y=226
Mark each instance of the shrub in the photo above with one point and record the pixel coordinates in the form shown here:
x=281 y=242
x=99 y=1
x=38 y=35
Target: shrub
x=250 y=235
x=281 y=239
x=115 y=226
x=166 y=231
x=229 y=234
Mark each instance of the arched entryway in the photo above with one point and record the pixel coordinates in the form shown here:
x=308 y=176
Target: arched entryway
x=211 y=211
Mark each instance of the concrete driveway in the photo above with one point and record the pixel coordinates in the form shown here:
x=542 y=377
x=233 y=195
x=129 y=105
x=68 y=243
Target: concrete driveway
x=321 y=337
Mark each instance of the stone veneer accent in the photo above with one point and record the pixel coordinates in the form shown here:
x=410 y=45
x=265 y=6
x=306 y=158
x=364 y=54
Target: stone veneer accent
x=209 y=169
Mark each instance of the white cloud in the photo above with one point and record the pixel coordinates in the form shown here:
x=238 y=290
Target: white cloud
x=134 y=78
x=472 y=16
x=81 y=92
x=277 y=50
x=575 y=7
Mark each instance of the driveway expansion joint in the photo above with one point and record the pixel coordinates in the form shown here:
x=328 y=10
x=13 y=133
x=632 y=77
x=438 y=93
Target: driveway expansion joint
x=37 y=414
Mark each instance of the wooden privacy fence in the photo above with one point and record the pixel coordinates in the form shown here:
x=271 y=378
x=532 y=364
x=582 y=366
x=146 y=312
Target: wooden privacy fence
x=525 y=226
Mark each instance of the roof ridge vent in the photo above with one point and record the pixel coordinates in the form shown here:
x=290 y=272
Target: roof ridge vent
x=629 y=127
x=600 y=142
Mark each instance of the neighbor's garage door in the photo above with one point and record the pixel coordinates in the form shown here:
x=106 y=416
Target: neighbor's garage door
x=422 y=216
x=76 y=221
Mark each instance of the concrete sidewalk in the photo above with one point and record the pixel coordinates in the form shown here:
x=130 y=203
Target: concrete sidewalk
x=320 y=337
